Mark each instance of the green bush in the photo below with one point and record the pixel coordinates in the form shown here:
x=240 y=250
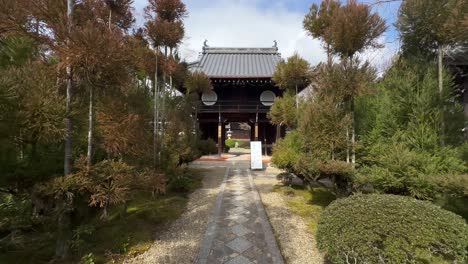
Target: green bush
x=287 y=151
x=185 y=181
x=397 y=169
x=376 y=228
x=340 y=173
x=464 y=153
x=231 y=143
x=207 y=147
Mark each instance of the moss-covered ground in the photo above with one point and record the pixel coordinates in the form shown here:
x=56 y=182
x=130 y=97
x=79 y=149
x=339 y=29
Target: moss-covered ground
x=127 y=231
x=308 y=204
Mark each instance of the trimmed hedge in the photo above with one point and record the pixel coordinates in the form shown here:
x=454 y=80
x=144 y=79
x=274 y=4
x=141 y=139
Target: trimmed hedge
x=231 y=143
x=383 y=228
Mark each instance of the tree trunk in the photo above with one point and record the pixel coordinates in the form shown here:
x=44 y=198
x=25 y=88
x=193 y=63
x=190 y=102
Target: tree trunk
x=353 y=135
x=163 y=103
x=170 y=86
x=90 y=127
x=156 y=113
x=347 y=145
x=297 y=99
x=110 y=18
x=63 y=230
x=441 y=88
x=68 y=123
x=333 y=151
x=21 y=145
x=63 y=223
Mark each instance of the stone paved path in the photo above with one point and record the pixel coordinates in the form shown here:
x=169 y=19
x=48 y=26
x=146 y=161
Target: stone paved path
x=239 y=231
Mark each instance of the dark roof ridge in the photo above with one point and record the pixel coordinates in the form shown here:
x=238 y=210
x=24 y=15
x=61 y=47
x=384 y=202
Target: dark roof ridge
x=233 y=50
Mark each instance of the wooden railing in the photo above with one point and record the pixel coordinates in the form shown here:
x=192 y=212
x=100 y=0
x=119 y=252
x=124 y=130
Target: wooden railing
x=235 y=107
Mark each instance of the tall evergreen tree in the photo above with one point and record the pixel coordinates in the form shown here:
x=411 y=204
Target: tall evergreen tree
x=164 y=28
x=317 y=23
x=429 y=28
x=292 y=75
x=353 y=29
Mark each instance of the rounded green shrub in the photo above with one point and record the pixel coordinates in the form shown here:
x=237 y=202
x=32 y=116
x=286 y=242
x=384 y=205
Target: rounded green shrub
x=384 y=228
x=231 y=143
x=287 y=151
x=207 y=147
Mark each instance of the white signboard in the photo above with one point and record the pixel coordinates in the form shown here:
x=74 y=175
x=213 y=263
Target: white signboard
x=256 y=155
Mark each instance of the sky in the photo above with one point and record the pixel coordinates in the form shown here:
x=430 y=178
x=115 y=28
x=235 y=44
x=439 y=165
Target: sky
x=257 y=23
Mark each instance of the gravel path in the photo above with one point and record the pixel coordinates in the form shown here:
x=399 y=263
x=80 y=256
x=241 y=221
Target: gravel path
x=297 y=245
x=180 y=243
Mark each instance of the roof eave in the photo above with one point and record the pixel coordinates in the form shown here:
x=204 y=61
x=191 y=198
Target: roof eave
x=240 y=77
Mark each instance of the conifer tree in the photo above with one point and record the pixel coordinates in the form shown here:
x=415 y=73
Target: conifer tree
x=353 y=29
x=317 y=23
x=164 y=28
x=429 y=28
x=293 y=75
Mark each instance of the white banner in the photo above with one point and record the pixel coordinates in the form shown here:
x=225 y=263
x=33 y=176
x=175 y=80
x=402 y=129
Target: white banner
x=256 y=155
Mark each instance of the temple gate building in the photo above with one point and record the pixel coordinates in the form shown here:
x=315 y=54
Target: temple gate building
x=243 y=92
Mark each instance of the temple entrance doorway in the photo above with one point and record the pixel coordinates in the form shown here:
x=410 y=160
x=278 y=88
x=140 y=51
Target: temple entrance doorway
x=238 y=137
x=242 y=94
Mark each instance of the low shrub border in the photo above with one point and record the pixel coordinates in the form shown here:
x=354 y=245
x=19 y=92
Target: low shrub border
x=383 y=228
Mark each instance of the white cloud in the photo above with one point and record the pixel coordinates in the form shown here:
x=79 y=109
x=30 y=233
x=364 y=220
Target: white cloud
x=243 y=23
x=381 y=58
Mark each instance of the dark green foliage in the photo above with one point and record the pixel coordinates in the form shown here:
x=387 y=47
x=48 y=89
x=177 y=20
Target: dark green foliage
x=391 y=229
x=427 y=24
x=15 y=213
x=339 y=172
x=293 y=74
x=287 y=151
x=197 y=82
x=31 y=118
x=464 y=153
x=180 y=183
x=401 y=128
x=207 y=147
x=399 y=170
x=184 y=182
x=283 y=111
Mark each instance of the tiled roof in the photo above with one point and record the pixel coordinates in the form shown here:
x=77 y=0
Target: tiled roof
x=237 y=62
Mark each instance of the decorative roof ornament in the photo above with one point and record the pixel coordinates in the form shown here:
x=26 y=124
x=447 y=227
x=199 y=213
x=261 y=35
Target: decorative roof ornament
x=205 y=44
x=275 y=45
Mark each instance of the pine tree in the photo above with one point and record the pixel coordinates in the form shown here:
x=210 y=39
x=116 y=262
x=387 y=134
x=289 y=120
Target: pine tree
x=429 y=28
x=293 y=75
x=353 y=29
x=317 y=23
x=164 y=28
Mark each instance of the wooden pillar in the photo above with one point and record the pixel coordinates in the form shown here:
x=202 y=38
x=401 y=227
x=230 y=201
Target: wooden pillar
x=220 y=135
x=256 y=127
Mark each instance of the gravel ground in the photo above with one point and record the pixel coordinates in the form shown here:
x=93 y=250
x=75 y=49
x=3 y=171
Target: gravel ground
x=297 y=245
x=180 y=243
